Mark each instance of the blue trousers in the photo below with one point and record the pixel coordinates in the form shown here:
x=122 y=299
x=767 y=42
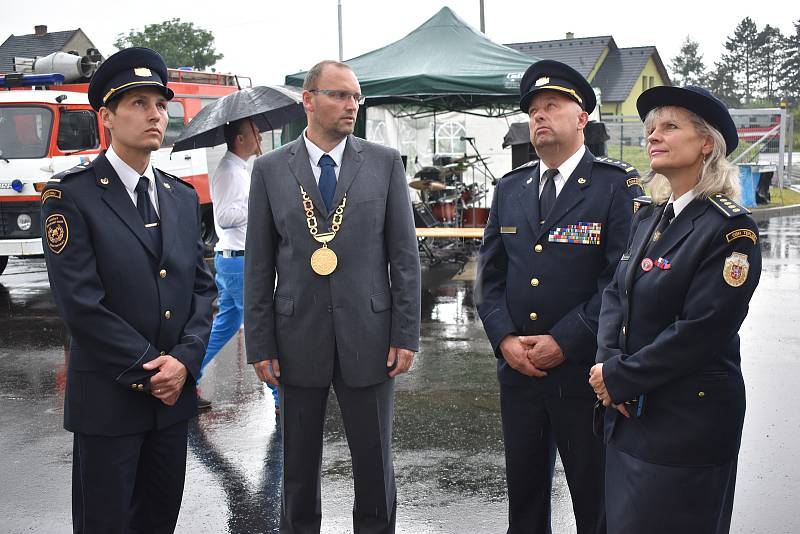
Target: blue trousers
x=230 y=285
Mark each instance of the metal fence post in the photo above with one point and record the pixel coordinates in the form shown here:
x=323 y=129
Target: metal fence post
x=782 y=148
x=789 y=169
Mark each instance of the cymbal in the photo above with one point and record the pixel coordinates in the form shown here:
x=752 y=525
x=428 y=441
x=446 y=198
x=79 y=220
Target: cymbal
x=427 y=185
x=465 y=158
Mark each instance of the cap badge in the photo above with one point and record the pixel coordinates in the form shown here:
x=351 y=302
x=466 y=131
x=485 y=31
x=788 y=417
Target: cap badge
x=142 y=72
x=544 y=80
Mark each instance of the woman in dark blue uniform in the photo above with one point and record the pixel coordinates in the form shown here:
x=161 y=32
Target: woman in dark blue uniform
x=668 y=358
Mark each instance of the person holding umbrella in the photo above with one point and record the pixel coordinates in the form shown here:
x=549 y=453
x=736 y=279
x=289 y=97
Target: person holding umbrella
x=230 y=187
x=669 y=367
x=236 y=120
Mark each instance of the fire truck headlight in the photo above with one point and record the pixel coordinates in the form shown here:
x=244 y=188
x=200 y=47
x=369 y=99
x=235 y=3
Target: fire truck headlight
x=24 y=222
x=17 y=185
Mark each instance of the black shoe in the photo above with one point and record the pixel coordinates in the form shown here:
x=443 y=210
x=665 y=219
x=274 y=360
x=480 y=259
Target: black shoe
x=203 y=404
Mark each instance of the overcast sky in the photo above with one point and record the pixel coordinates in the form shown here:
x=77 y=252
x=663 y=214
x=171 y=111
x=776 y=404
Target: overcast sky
x=269 y=39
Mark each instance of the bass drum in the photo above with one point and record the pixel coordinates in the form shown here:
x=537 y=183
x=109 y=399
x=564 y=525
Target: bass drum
x=444 y=211
x=475 y=217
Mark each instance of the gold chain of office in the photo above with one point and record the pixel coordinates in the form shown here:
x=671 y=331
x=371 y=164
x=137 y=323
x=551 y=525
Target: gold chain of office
x=323 y=260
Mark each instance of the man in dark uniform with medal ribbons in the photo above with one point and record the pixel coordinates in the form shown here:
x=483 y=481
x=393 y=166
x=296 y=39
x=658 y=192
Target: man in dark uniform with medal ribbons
x=556 y=231
x=330 y=220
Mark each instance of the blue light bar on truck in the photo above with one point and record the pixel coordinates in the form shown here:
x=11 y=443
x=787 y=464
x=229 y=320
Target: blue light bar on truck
x=16 y=79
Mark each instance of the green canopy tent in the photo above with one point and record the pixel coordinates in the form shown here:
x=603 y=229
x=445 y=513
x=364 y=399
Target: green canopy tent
x=444 y=65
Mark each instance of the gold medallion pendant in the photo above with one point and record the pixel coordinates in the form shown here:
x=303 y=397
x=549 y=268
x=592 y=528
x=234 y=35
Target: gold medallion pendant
x=324 y=261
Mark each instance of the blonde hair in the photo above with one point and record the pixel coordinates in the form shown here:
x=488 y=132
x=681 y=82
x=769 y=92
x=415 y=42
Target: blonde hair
x=717 y=175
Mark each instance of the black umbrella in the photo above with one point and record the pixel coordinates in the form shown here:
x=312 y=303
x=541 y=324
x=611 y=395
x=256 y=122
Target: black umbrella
x=270 y=107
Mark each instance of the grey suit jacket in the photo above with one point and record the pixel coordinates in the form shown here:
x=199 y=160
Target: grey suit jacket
x=371 y=300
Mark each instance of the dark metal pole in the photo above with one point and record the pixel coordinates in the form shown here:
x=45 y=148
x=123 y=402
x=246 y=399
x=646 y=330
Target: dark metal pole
x=483 y=21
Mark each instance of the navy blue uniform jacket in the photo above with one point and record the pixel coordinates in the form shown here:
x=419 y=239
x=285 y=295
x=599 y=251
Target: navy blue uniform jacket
x=123 y=302
x=672 y=334
x=571 y=256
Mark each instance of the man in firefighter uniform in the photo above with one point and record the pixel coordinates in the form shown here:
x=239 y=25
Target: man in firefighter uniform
x=125 y=261
x=556 y=231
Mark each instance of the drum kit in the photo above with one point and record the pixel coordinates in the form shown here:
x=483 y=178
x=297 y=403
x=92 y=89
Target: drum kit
x=445 y=199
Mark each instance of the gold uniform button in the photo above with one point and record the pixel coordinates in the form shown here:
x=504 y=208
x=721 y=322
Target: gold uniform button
x=162 y=353
x=141 y=387
x=162 y=273
x=538 y=248
x=133 y=386
x=701 y=394
x=534 y=316
x=167 y=314
x=534 y=282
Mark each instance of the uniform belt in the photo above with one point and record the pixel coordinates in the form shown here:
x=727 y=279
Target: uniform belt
x=231 y=253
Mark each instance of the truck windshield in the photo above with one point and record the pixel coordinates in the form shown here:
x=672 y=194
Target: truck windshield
x=24 y=131
x=77 y=130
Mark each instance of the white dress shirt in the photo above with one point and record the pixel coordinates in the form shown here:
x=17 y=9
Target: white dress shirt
x=682 y=201
x=315 y=152
x=130 y=178
x=230 y=191
x=564 y=171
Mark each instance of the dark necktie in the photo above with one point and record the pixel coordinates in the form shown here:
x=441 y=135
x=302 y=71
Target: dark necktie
x=148 y=212
x=666 y=217
x=548 y=197
x=327 y=180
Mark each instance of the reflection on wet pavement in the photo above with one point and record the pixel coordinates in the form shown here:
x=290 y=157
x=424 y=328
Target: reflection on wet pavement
x=447 y=439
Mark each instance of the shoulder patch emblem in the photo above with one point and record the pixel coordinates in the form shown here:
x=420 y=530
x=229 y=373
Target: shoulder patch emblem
x=630 y=182
x=742 y=232
x=735 y=269
x=51 y=193
x=57 y=231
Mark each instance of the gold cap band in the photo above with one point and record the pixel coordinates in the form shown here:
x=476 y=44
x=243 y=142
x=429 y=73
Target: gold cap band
x=113 y=90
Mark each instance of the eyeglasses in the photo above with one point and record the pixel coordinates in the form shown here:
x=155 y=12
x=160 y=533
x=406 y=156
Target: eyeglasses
x=341 y=96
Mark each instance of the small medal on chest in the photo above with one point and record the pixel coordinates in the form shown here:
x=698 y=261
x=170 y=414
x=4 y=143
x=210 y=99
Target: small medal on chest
x=647 y=264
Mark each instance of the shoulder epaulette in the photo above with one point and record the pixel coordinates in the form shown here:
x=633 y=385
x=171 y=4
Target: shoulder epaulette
x=77 y=169
x=178 y=180
x=726 y=206
x=640 y=202
x=629 y=169
x=529 y=164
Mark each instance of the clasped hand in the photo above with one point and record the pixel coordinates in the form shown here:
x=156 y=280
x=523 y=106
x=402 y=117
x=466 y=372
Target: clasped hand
x=599 y=386
x=166 y=385
x=532 y=355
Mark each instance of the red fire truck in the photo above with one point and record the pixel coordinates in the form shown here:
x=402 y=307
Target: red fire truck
x=47 y=126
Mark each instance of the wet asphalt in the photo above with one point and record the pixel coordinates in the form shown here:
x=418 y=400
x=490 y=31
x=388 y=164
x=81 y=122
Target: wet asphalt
x=447 y=439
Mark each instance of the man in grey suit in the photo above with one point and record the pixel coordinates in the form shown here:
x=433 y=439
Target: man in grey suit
x=330 y=216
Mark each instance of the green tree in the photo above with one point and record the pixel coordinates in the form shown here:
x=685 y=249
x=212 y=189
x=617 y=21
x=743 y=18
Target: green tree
x=687 y=67
x=740 y=58
x=771 y=50
x=181 y=44
x=721 y=82
x=790 y=82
